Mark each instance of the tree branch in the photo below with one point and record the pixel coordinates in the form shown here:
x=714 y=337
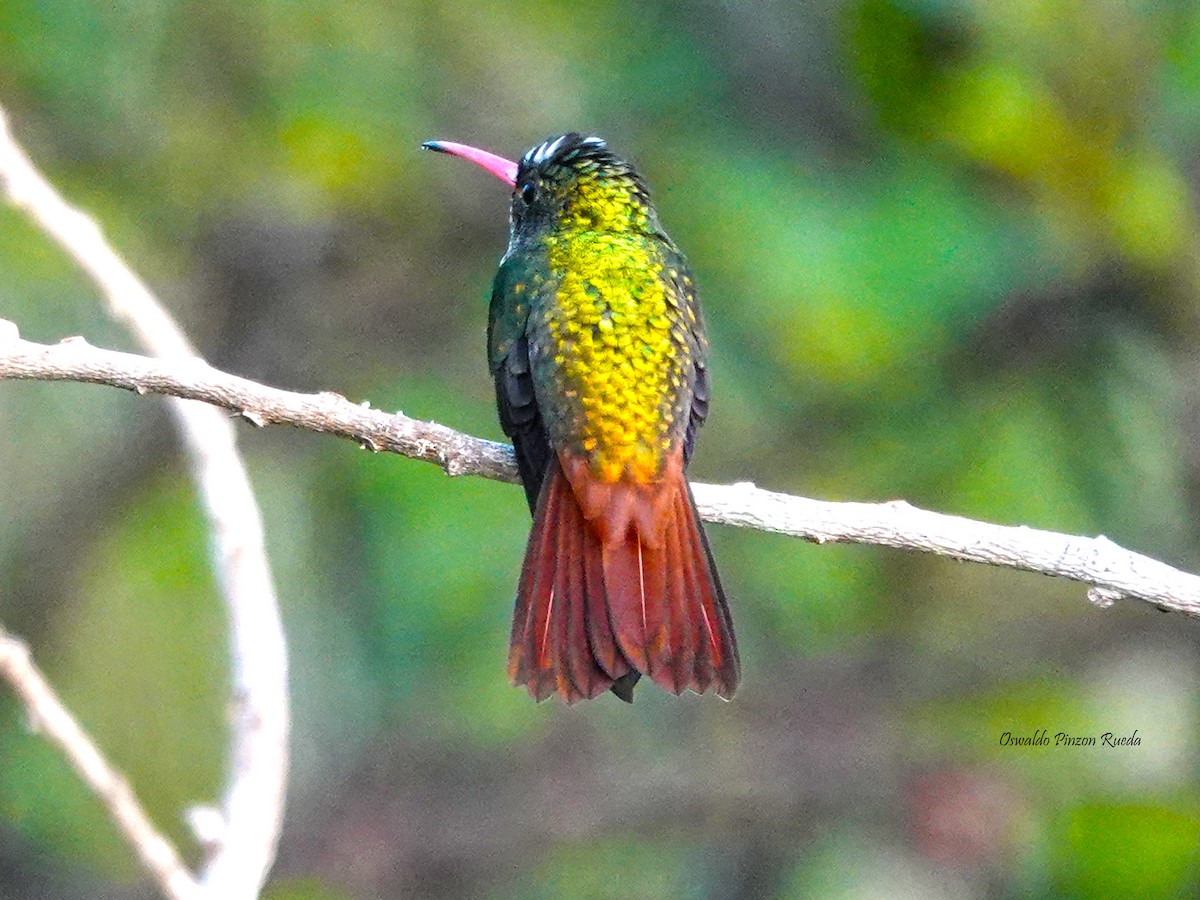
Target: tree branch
x=243 y=847
x=1110 y=572
x=48 y=716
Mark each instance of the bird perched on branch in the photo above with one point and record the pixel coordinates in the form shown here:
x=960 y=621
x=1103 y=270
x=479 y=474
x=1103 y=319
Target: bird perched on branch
x=597 y=348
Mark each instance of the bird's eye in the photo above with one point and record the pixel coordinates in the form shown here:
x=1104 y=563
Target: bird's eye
x=528 y=194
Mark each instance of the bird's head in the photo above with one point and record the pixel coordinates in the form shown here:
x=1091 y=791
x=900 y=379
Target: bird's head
x=567 y=184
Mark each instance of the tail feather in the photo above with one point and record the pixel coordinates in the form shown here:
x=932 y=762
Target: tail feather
x=587 y=676
x=682 y=630
x=605 y=598
x=717 y=662
x=601 y=640
x=702 y=670
x=550 y=649
x=528 y=659
x=558 y=624
x=631 y=600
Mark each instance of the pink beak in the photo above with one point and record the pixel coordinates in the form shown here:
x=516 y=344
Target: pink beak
x=504 y=169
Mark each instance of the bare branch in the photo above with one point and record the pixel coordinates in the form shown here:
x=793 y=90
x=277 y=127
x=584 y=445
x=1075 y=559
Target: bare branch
x=252 y=807
x=76 y=360
x=48 y=716
x=1110 y=572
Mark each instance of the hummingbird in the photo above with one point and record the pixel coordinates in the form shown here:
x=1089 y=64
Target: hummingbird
x=597 y=348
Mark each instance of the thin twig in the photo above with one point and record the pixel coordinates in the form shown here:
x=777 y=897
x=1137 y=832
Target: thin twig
x=252 y=807
x=1110 y=572
x=48 y=716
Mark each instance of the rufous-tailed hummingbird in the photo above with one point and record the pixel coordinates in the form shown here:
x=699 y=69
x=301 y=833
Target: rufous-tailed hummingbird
x=597 y=348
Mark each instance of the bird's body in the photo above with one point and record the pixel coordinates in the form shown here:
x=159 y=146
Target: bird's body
x=597 y=348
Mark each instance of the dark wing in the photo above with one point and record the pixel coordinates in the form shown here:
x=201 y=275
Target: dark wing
x=508 y=355
x=699 y=410
x=521 y=419
x=683 y=287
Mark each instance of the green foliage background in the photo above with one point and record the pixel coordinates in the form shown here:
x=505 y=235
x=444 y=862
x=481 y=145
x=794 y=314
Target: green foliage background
x=947 y=251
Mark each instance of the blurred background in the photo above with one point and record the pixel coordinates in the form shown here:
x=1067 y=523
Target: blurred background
x=948 y=251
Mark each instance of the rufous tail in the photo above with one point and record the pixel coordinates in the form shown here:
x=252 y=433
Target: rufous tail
x=619 y=581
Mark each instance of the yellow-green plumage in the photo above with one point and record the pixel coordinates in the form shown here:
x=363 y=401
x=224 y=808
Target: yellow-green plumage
x=615 y=355
x=612 y=326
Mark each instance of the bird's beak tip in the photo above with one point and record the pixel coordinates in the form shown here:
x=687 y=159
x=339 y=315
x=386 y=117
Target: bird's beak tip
x=504 y=169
